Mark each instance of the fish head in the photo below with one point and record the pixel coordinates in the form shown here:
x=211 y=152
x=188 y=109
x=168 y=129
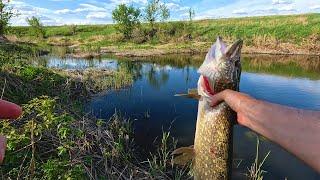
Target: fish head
x=221 y=69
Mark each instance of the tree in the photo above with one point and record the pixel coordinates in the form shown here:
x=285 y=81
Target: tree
x=5 y=15
x=164 y=12
x=156 y=11
x=127 y=18
x=189 y=28
x=191 y=13
x=37 y=28
x=73 y=29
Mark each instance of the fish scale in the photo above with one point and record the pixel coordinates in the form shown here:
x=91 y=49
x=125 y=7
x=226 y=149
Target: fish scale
x=212 y=147
x=211 y=154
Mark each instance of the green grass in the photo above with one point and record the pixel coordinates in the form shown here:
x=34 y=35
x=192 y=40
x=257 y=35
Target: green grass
x=286 y=28
x=295 y=29
x=55 y=139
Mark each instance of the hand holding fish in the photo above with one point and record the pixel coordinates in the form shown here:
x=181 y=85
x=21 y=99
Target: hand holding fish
x=235 y=100
x=296 y=130
x=211 y=155
x=220 y=105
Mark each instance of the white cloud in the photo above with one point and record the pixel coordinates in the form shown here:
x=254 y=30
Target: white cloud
x=25 y=10
x=97 y=15
x=243 y=8
x=240 y=12
x=316 y=7
x=276 y=2
x=88 y=8
x=173 y=6
x=63 y=11
x=287 y=8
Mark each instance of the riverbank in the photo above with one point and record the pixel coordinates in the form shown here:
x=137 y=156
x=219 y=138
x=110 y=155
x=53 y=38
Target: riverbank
x=55 y=138
x=193 y=49
x=292 y=34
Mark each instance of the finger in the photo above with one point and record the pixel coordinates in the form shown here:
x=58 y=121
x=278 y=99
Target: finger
x=216 y=99
x=3 y=146
x=9 y=110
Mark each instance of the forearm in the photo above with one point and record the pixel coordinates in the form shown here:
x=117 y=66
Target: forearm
x=295 y=130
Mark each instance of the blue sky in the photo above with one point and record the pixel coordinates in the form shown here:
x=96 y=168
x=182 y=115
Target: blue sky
x=59 y=12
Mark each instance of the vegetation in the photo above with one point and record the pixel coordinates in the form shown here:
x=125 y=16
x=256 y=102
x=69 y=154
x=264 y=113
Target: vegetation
x=5 y=15
x=73 y=29
x=292 y=66
x=272 y=34
x=126 y=19
x=36 y=26
x=191 y=14
x=255 y=172
x=156 y=11
x=55 y=139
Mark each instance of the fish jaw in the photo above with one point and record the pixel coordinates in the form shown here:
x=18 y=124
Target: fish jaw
x=221 y=69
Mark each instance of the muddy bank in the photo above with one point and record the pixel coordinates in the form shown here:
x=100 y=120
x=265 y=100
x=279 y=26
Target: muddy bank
x=283 y=49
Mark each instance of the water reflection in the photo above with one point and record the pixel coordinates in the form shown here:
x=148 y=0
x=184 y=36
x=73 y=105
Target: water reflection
x=74 y=63
x=150 y=101
x=289 y=66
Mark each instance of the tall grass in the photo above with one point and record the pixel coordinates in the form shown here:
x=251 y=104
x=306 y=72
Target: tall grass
x=255 y=172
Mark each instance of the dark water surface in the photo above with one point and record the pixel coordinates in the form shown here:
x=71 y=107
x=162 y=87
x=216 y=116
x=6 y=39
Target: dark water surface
x=150 y=101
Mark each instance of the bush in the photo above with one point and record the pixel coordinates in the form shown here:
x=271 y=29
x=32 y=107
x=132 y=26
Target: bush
x=139 y=35
x=5 y=15
x=127 y=18
x=37 y=28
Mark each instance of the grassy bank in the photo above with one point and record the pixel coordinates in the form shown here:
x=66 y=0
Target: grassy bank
x=55 y=139
x=294 y=34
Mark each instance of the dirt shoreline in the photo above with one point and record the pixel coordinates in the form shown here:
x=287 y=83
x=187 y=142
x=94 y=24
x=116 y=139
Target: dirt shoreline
x=191 y=51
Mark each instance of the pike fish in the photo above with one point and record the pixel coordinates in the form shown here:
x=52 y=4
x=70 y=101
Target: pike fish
x=211 y=155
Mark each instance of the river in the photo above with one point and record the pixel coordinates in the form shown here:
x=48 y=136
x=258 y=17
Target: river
x=150 y=101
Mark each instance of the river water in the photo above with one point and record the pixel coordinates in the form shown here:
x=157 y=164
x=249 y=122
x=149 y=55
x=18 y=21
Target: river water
x=150 y=101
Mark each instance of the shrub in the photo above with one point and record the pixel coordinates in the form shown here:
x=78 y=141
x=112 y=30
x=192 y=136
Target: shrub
x=127 y=18
x=5 y=15
x=37 y=28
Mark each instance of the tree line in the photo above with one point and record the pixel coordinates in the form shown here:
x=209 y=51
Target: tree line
x=129 y=18
x=131 y=22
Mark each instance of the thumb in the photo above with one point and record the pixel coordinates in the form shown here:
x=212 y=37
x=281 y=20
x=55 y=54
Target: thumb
x=216 y=99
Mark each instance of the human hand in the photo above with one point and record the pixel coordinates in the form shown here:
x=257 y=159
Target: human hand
x=8 y=110
x=236 y=102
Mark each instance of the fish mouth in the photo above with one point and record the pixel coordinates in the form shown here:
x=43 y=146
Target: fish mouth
x=221 y=69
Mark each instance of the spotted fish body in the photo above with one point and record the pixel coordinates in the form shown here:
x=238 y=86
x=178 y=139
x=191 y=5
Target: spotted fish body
x=212 y=150
x=213 y=143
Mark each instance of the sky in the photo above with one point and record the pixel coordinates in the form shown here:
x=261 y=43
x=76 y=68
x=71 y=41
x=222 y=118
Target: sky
x=60 y=12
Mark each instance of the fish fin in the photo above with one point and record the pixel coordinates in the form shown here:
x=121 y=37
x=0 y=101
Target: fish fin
x=192 y=93
x=183 y=156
